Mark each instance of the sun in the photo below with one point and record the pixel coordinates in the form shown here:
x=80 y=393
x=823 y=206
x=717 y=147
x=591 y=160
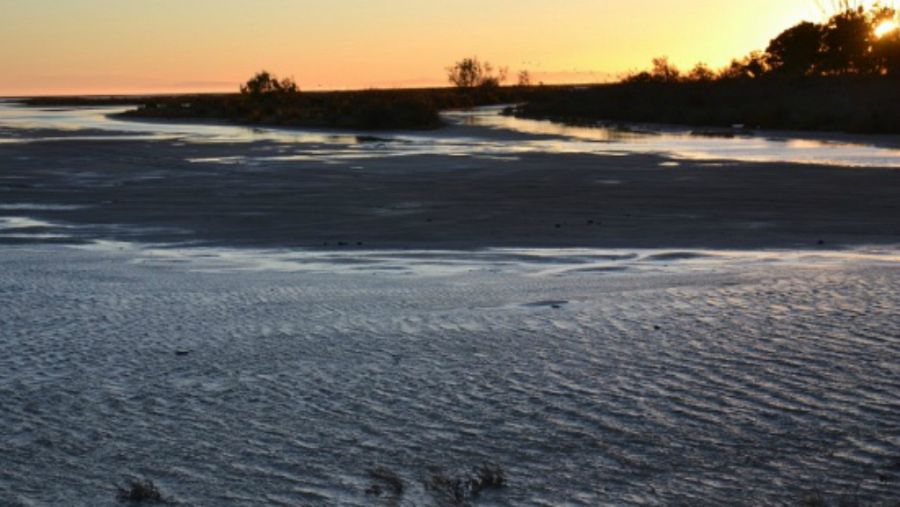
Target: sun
x=885 y=28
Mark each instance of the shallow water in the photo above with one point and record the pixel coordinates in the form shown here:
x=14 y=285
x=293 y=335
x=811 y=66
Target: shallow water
x=541 y=137
x=734 y=145
x=694 y=382
x=97 y=123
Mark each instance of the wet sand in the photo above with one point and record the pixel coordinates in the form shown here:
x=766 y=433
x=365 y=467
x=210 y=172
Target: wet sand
x=266 y=194
x=233 y=366
x=762 y=384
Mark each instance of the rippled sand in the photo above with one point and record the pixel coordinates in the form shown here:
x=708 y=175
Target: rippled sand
x=265 y=317
x=689 y=382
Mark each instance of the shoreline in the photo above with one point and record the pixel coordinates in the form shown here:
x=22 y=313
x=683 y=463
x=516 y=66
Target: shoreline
x=462 y=187
x=151 y=191
x=775 y=107
x=889 y=141
x=880 y=140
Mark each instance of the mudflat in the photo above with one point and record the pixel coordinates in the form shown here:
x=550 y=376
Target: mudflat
x=266 y=193
x=257 y=332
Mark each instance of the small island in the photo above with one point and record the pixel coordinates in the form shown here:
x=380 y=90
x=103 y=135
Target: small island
x=266 y=100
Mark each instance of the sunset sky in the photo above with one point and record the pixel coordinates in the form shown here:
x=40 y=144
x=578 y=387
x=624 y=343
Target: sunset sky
x=127 y=46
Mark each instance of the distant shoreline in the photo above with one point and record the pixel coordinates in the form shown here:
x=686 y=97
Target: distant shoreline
x=881 y=140
x=366 y=110
x=845 y=105
x=850 y=104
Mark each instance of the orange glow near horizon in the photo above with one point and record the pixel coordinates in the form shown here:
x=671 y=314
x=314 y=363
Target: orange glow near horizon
x=111 y=46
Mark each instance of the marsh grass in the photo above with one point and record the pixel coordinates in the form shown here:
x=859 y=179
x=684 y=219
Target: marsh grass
x=361 y=110
x=855 y=104
x=385 y=477
x=141 y=491
x=463 y=488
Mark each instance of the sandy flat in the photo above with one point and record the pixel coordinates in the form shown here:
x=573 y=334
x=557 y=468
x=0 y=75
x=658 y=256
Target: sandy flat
x=267 y=193
x=232 y=366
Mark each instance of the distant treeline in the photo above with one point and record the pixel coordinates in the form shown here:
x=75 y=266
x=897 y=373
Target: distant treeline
x=844 y=104
x=855 y=42
x=840 y=75
x=266 y=100
x=368 y=110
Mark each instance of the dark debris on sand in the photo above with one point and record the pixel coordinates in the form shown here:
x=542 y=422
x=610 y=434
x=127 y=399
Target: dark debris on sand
x=463 y=488
x=141 y=491
x=385 y=478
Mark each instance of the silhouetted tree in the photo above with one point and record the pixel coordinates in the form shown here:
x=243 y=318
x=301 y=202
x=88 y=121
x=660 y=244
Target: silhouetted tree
x=886 y=49
x=524 y=78
x=471 y=73
x=797 y=50
x=701 y=72
x=639 y=77
x=750 y=67
x=664 y=71
x=467 y=73
x=755 y=64
x=831 y=7
x=264 y=83
x=847 y=43
x=502 y=75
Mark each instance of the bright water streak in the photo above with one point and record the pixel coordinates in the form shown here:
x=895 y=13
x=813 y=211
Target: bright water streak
x=535 y=136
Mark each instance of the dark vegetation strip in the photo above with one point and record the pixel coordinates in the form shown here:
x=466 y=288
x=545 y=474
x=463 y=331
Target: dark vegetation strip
x=413 y=109
x=843 y=104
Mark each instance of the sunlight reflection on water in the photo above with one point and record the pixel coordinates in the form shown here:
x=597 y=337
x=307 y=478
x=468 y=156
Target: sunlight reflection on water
x=529 y=136
x=537 y=262
x=718 y=144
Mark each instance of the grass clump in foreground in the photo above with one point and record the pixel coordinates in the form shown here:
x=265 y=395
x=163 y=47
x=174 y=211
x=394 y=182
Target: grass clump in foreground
x=462 y=489
x=384 y=477
x=141 y=491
